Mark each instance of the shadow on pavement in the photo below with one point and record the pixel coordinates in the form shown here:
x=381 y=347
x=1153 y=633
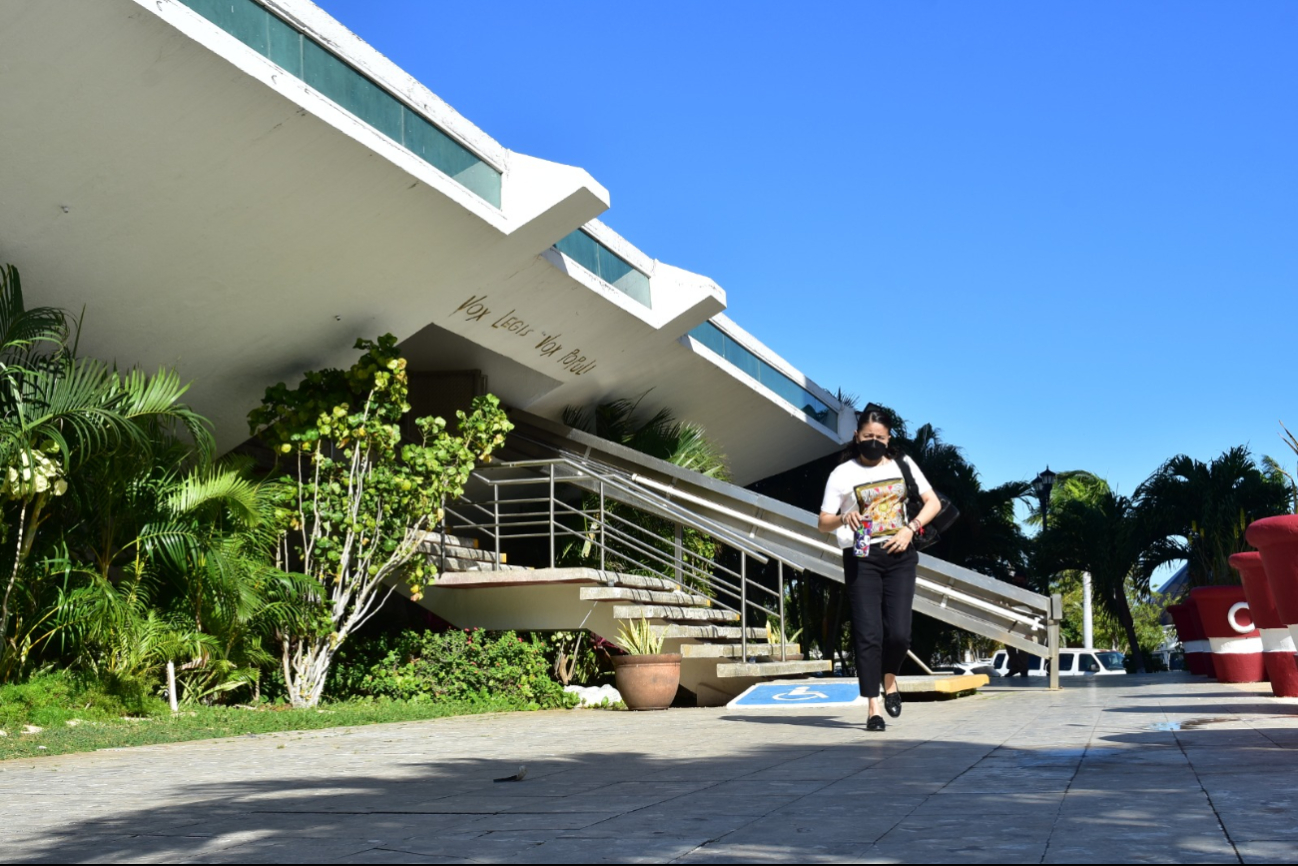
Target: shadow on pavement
x=1126 y=797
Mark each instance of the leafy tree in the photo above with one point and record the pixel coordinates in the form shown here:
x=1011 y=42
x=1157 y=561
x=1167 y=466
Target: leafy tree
x=1146 y=611
x=986 y=537
x=354 y=501
x=1197 y=512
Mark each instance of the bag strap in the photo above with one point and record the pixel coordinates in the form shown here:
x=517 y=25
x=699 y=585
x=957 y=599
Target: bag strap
x=914 y=502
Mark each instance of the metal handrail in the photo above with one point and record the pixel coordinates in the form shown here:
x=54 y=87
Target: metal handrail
x=612 y=538
x=959 y=596
x=1036 y=623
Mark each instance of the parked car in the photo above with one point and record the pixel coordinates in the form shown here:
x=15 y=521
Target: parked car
x=1072 y=663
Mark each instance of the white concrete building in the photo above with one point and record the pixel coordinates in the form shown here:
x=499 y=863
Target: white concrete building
x=241 y=188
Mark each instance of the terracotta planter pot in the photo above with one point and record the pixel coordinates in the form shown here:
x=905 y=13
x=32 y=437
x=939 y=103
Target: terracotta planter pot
x=647 y=682
x=1198 y=654
x=1228 y=623
x=1276 y=538
x=1277 y=644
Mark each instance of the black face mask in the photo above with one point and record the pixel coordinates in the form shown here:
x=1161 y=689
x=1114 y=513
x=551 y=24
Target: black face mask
x=871 y=449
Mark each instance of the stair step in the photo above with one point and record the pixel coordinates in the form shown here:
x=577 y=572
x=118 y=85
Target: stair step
x=454 y=563
x=638 y=581
x=472 y=566
x=707 y=632
x=672 y=612
x=734 y=650
x=435 y=538
x=459 y=552
x=773 y=669
x=643 y=596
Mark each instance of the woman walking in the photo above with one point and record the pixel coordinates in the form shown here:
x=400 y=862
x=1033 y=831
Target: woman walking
x=865 y=507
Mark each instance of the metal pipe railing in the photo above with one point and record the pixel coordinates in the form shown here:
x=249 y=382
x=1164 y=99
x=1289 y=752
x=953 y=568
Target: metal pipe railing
x=616 y=536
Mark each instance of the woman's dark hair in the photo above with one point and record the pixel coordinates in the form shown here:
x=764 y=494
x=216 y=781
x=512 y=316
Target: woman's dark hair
x=874 y=414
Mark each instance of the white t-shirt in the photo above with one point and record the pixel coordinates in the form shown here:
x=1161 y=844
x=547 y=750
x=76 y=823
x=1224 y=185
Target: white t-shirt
x=878 y=492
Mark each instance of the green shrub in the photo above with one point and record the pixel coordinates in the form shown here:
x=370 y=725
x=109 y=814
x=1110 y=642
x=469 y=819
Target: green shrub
x=452 y=666
x=51 y=699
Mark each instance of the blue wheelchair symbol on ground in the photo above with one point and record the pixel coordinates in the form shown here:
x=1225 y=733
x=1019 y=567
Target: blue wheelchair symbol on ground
x=818 y=693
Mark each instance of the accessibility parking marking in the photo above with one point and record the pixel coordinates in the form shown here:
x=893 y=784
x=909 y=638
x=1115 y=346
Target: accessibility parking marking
x=818 y=693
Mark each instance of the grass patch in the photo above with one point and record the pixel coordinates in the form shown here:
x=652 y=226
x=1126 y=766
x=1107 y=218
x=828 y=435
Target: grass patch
x=79 y=716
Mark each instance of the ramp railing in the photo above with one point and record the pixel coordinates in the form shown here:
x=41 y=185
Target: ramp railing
x=584 y=516
x=765 y=529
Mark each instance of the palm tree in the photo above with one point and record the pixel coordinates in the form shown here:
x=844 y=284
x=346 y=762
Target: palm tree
x=57 y=412
x=1197 y=512
x=660 y=435
x=1101 y=534
x=986 y=537
x=185 y=575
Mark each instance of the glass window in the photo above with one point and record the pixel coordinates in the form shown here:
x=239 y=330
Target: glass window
x=1035 y=663
x=605 y=264
x=244 y=20
x=284 y=46
x=1066 y=662
x=362 y=97
x=729 y=348
x=1112 y=661
x=319 y=68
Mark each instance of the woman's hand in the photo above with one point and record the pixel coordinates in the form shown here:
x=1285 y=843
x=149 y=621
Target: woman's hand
x=899 y=542
x=852 y=520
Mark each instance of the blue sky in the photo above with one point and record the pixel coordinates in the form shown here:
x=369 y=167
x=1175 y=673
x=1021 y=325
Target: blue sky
x=1063 y=233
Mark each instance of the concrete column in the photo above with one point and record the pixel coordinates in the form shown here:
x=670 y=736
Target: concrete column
x=1088 y=621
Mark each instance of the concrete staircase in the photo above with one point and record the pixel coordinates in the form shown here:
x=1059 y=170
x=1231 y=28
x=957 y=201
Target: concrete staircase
x=474 y=590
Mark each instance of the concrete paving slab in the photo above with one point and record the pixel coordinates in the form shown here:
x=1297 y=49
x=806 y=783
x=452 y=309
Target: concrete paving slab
x=1166 y=768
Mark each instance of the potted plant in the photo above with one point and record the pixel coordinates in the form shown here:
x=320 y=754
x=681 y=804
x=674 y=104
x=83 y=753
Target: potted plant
x=647 y=677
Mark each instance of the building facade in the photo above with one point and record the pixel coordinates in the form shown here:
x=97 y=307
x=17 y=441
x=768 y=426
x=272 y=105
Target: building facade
x=241 y=188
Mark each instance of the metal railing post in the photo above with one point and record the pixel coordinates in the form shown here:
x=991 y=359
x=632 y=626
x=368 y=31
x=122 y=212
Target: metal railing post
x=743 y=604
x=679 y=557
x=784 y=641
x=552 y=515
x=441 y=565
x=603 y=544
x=495 y=508
x=1052 y=637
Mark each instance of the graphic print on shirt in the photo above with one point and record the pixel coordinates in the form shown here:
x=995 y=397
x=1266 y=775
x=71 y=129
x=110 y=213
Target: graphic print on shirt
x=884 y=504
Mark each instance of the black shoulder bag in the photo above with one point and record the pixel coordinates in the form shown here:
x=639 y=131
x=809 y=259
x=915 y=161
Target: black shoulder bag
x=931 y=534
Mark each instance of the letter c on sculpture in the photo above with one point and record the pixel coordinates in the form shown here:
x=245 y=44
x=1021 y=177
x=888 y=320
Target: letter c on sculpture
x=1234 y=611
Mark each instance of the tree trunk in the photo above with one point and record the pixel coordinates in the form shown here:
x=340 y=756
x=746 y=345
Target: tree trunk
x=1129 y=626
x=309 y=670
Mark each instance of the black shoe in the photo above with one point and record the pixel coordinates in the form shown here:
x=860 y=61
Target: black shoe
x=876 y=723
x=892 y=703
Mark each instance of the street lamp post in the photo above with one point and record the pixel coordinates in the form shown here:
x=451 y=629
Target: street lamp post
x=1042 y=485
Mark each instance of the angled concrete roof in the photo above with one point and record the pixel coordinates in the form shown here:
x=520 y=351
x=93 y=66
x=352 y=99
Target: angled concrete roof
x=212 y=211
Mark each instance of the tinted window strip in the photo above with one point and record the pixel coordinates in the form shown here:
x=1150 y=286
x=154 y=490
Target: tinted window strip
x=319 y=68
x=729 y=348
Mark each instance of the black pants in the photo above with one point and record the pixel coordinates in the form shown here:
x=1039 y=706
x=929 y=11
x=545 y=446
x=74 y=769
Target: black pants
x=881 y=589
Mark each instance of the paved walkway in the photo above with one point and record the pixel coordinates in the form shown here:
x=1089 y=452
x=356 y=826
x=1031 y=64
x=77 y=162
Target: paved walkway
x=1159 y=768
